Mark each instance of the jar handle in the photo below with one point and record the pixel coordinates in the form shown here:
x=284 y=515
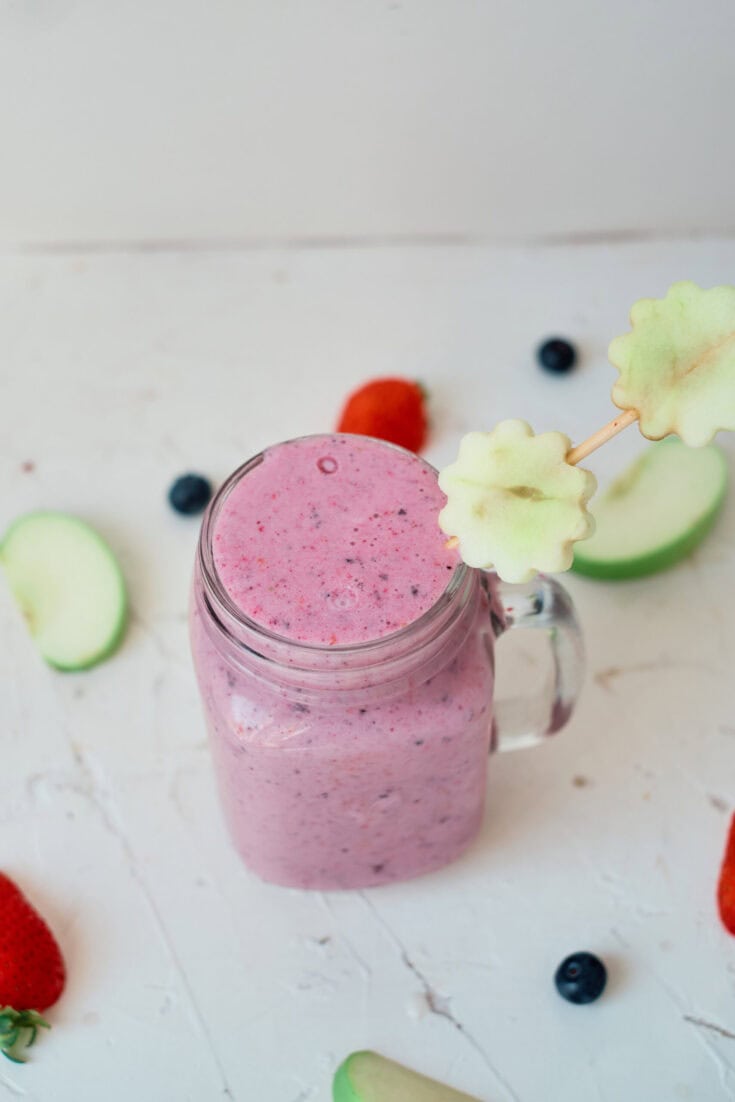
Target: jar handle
x=543 y=603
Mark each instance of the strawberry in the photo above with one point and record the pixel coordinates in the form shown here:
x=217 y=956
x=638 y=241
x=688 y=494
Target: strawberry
x=32 y=972
x=391 y=409
x=726 y=885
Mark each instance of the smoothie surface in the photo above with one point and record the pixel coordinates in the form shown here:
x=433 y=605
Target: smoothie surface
x=334 y=540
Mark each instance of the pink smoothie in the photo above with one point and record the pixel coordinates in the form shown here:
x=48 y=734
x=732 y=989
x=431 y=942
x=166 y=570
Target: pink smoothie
x=364 y=776
x=334 y=540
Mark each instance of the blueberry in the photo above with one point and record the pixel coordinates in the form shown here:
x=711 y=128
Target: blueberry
x=190 y=493
x=557 y=355
x=581 y=978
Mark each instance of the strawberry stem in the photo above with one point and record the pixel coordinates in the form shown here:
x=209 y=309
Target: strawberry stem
x=13 y=1023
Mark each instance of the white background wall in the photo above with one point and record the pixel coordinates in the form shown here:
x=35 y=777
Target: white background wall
x=280 y=119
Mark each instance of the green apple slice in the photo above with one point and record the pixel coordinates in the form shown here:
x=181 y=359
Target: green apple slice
x=656 y=512
x=68 y=585
x=367 y=1077
x=677 y=365
x=513 y=502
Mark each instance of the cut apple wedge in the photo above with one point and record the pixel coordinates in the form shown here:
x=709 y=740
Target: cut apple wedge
x=68 y=585
x=655 y=513
x=368 y=1077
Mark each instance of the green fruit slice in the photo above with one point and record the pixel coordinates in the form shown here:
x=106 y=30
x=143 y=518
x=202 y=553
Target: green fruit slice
x=514 y=503
x=655 y=513
x=69 y=586
x=367 y=1077
x=677 y=365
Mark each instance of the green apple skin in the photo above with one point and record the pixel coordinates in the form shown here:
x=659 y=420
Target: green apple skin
x=653 y=563
x=342 y=1087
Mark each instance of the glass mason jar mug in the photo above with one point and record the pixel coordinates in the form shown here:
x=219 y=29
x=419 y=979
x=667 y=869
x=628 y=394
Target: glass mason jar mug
x=355 y=765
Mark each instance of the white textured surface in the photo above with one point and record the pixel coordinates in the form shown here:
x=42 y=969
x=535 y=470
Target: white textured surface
x=304 y=118
x=190 y=980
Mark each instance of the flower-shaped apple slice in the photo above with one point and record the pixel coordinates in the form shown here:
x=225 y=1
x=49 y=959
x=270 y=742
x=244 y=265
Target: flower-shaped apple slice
x=513 y=502
x=677 y=365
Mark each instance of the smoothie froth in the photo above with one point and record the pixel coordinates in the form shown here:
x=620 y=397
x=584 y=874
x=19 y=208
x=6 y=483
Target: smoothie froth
x=334 y=540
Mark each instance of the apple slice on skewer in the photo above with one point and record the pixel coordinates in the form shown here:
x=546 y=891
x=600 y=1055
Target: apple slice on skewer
x=514 y=503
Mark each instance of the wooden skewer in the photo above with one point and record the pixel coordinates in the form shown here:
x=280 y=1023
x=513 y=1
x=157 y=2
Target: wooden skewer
x=592 y=443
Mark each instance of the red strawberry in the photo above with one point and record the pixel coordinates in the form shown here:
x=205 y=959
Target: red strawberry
x=726 y=886
x=32 y=972
x=391 y=409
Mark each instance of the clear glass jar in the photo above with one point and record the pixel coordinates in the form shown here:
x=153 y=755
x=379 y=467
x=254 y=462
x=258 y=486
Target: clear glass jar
x=352 y=766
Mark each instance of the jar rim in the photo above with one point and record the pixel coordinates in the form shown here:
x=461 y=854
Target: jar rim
x=226 y=612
